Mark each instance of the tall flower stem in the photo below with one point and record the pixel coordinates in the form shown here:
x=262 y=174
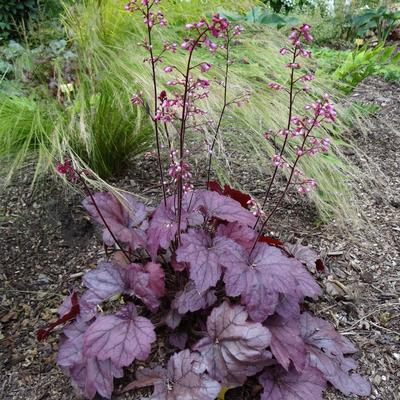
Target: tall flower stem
x=222 y=110
x=291 y=102
x=155 y=94
x=183 y=128
x=282 y=196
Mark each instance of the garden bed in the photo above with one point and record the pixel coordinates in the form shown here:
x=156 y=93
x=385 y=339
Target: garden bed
x=47 y=242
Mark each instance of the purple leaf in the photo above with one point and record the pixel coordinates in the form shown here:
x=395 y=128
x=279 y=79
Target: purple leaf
x=241 y=234
x=279 y=384
x=304 y=254
x=127 y=219
x=108 y=280
x=206 y=257
x=326 y=349
x=286 y=342
x=306 y=284
x=337 y=371
x=95 y=376
x=260 y=278
x=66 y=306
x=320 y=333
x=156 y=278
x=123 y=337
x=163 y=228
x=139 y=285
x=100 y=376
x=178 y=340
x=88 y=375
x=184 y=379
x=235 y=347
x=88 y=305
x=105 y=281
x=71 y=350
x=190 y=299
x=288 y=306
x=214 y=205
x=173 y=319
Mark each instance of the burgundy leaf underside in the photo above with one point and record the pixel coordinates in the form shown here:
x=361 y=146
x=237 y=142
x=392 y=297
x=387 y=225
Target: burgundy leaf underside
x=68 y=311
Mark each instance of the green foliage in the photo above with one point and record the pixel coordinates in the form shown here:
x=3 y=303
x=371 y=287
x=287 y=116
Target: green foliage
x=260 y=15
x=380 y=20
x=27 y=125
x=351 y=67
x=94 y=123
x=281 y=6
x=13 y=13
x=104 y=132
x=8 y=54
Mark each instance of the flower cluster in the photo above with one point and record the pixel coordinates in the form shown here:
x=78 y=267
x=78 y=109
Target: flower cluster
x=302 y=127
x=66 y=168
x=150 y=19
x=303 y=32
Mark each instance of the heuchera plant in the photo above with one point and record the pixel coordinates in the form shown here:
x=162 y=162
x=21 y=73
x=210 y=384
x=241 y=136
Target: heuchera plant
x=197 y=271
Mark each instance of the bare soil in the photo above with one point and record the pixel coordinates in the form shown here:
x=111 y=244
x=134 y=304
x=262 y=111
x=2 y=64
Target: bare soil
x=47 y=243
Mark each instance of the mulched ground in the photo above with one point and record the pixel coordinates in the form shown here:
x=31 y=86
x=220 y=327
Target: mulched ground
x=47 y=243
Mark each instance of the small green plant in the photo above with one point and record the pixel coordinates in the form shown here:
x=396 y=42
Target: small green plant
x=365 y=62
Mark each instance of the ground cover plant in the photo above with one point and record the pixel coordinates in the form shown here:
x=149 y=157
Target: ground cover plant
x=197 y=270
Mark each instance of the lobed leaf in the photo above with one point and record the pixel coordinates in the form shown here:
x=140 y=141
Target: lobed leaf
x=122 y=338
x=190 y=299
x=183 y=379
x=234 y=348
x=88 y=374
x=304 y=254
x=127 y=220
x=214 y=205
x=280 y=384
x=326 y=349
x=241 y=234
x=286 y=343
x=206 y=256
x=260 y=279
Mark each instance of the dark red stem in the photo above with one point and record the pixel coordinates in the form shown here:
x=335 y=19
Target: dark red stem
x=89 y=192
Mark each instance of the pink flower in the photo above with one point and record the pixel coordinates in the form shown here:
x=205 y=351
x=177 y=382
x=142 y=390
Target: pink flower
x=296 y=120
x=282 y=51
x=306 y=78
x=268 y=133
x=211 y=45
x=218 y=25
x=204 y=67
x=305 y=31
x=136 y=99
x=275 y=86
x=283 y=132
x=66 y=168
x=168 y=69
x=305 y=53
x=237 y=30
x=277 y=160
x=293 y=65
